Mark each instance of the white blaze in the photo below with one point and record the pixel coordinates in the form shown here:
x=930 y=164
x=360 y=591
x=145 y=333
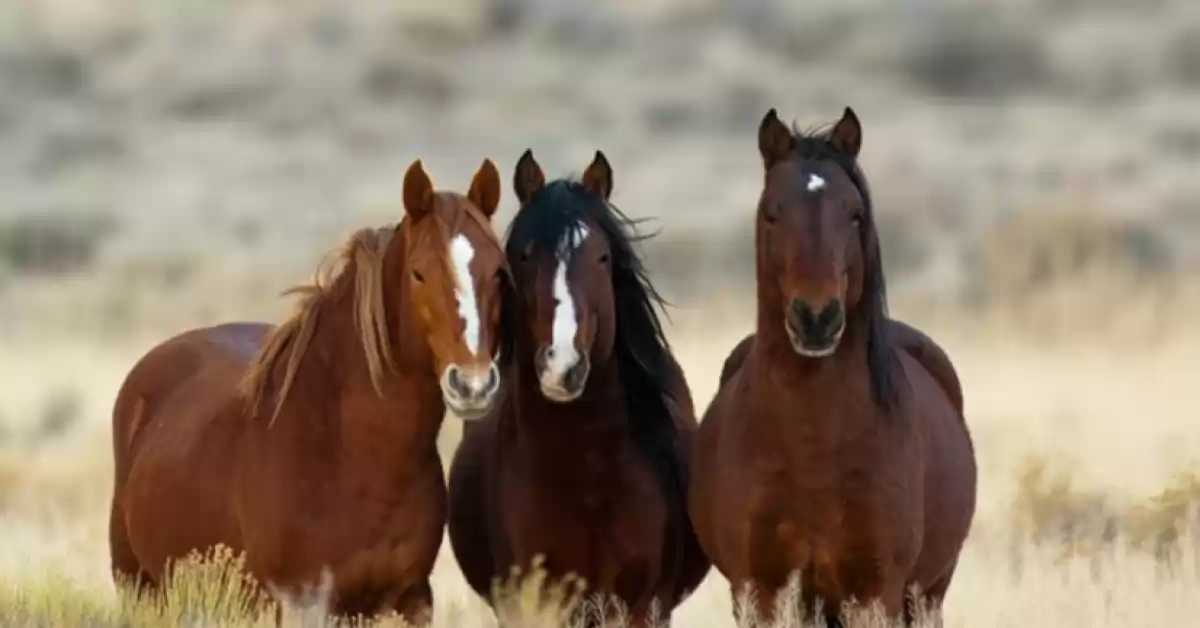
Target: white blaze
x=461 y=254
x=564 y=355
x=815 y=182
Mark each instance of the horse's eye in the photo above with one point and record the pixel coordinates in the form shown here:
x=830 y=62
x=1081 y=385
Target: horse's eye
x=418 y=277
x=856 y=220
x=604 y=258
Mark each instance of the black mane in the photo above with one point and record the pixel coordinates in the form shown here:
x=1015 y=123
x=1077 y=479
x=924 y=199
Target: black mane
x=641 y=349
x=881 y=358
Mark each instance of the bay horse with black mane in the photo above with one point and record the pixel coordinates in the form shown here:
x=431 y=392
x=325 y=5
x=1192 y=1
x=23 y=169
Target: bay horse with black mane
x=311 y=446
x=584 y=460
x=835 y=449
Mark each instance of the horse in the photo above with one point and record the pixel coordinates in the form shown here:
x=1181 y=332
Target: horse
x=835 y=450
x=310 y=448
x=584 y=461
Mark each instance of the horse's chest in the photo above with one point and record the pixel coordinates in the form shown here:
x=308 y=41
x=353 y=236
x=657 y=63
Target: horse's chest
x=590 y=523
x=843 y=534
x=834 y=562
x=360 y=533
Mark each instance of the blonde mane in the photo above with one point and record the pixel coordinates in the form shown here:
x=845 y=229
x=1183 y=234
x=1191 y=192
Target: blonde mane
x=365 y=251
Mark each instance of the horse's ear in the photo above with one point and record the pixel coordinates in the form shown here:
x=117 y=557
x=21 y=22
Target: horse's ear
x=485 y=188
x=528 y=178
x=775 y=141
x=846 y=135
x=418 y=191
x=598 y=178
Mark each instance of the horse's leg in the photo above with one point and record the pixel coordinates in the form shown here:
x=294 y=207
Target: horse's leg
x=653 y=616
x=894 y=604
x=760 y=601
x=931 y=599
x=415 y=605
x=887 y=600
x=127 y=571
x=468 y=498
x=643 y=621
x=658 y=615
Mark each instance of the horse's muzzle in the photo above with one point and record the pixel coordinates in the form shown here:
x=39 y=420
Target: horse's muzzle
x=470 y=395
x=815 y=333
x=559 y=384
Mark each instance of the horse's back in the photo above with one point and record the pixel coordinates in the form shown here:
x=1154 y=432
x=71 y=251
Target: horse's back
x=174 y=442
x=683 y=406
x=736 y=358
x=931 y=356
x=206 y=364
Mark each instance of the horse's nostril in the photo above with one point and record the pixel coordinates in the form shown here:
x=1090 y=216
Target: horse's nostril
x=576 y=375
x=816 y=325
x=549 y=354
x=541 y=358
x=800 y=315
x=493 y=381
x=454 y=381
x=831 y=317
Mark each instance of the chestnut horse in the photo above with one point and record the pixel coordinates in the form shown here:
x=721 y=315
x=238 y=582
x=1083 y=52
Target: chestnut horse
x=835 y=448
x=584 y=460
x=311 y=446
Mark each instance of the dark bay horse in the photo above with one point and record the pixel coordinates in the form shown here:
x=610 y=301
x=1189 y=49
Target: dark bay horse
x=311 y=446
x=836 y=447
x=584 y=460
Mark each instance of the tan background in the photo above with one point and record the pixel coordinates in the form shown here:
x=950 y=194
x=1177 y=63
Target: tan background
x=171 y=164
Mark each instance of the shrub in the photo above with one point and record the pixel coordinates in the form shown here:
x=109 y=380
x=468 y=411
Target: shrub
x=1071 y=271
x=532 y=600
x=1159 y=524
x=1050 y=508
x=974 y=55
x=52 y=243
x=1183 y=56
x=1042 y=247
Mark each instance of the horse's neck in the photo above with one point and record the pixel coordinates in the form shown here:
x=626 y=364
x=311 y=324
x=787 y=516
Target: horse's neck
x=397 y=424
x=811 y=396
x=598 y=418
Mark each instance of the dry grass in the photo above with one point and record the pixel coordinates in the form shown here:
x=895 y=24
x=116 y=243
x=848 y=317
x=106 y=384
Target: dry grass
x=1032 y=585
x=1064 y=535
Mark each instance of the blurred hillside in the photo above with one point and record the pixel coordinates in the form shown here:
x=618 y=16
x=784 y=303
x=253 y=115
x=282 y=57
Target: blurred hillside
x=172 y=163
x=164 y=164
